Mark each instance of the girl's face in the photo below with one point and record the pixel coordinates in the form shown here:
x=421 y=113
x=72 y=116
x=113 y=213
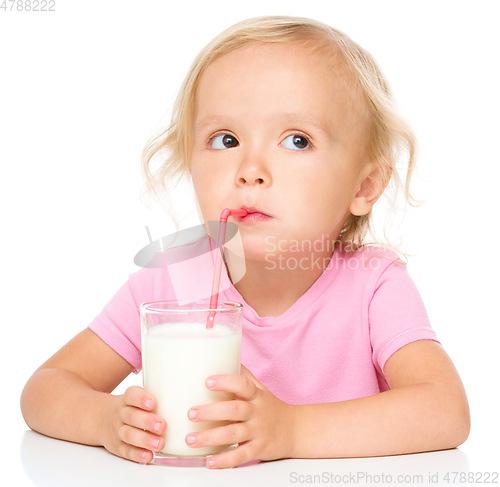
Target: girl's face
x=276 y=129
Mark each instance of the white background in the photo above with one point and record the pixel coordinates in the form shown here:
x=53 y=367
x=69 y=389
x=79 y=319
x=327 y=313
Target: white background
x=83 y=88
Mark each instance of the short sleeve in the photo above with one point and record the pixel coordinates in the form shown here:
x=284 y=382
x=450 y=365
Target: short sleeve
x=118 y=324
x=397 y=314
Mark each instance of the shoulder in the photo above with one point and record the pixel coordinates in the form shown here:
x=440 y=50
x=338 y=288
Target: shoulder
x=369 y=269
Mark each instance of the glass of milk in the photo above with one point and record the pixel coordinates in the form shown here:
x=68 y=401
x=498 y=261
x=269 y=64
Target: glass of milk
x=178 y=355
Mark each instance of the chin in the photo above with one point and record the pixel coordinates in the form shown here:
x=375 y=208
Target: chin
x=255 y=249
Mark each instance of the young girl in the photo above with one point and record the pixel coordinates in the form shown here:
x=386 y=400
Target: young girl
x=290 y=119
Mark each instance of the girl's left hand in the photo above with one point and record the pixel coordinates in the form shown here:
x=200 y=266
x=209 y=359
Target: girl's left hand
x=264 y=425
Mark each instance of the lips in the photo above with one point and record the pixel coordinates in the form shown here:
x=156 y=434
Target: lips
x=254 y=216
x=251 y=210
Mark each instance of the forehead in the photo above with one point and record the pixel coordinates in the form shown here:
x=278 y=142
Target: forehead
x=262 y=80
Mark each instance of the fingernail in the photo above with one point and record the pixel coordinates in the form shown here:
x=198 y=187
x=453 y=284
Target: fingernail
x=211 y=462
x=157 y=427
x=148 y=403
x=192 y=414
x=191 y=439
x=210 y=382
x=155 y=442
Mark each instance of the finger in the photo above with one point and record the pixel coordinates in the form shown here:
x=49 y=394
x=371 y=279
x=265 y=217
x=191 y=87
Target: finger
x=220 y=411
x=223 y=435
x=133 y=453
x=136 y=396
x=247 y=373
x=242 y=386
x=140 y=438
x=143 y=420
x=232 y=458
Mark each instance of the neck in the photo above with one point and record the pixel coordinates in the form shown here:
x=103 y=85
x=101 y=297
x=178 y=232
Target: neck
x=271 y=288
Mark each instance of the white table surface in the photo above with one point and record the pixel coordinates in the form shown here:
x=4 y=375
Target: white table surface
x=48 y=462
x=34 y=459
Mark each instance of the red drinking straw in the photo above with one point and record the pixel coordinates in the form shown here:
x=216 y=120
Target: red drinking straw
x=221 y=238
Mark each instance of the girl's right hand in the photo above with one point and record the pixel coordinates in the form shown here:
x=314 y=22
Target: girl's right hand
x=130 y=430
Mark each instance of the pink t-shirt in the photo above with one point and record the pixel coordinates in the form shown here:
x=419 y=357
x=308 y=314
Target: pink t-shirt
x=331 y=345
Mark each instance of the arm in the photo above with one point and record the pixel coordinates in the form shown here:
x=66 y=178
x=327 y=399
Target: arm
x=425 y=410
x=69 y=398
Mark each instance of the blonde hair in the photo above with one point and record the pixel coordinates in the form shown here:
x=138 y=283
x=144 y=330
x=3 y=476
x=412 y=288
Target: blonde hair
x=389 y=135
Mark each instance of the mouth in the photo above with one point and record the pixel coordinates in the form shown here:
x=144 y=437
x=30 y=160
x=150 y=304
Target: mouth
x=254 y=215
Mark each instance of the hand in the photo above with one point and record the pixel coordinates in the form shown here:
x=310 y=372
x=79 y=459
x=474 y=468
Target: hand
x=264 y=425
x=125 y=422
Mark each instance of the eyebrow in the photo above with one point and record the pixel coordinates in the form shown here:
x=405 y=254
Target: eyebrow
x=288 y=118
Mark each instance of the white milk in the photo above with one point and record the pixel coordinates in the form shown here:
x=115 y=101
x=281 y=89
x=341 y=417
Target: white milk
x=177 y=359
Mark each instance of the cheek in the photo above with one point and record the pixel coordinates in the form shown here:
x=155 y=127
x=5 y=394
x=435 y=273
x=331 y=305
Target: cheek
x=202 y=193
x=203 y=179
x=209 y=175
x=211 y=191
x=334 y=185
x=322 y=200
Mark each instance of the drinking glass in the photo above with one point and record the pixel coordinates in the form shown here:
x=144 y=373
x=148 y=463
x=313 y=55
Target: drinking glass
x=178 y=354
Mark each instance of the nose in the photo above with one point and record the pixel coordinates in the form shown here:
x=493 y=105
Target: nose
x=253 y=172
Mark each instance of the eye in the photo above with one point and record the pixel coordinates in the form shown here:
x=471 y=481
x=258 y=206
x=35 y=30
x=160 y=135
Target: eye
x=296 y=142
x=223 y=141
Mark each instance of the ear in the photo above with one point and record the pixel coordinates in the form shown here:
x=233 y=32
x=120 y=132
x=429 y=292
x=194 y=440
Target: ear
x=371 y=185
